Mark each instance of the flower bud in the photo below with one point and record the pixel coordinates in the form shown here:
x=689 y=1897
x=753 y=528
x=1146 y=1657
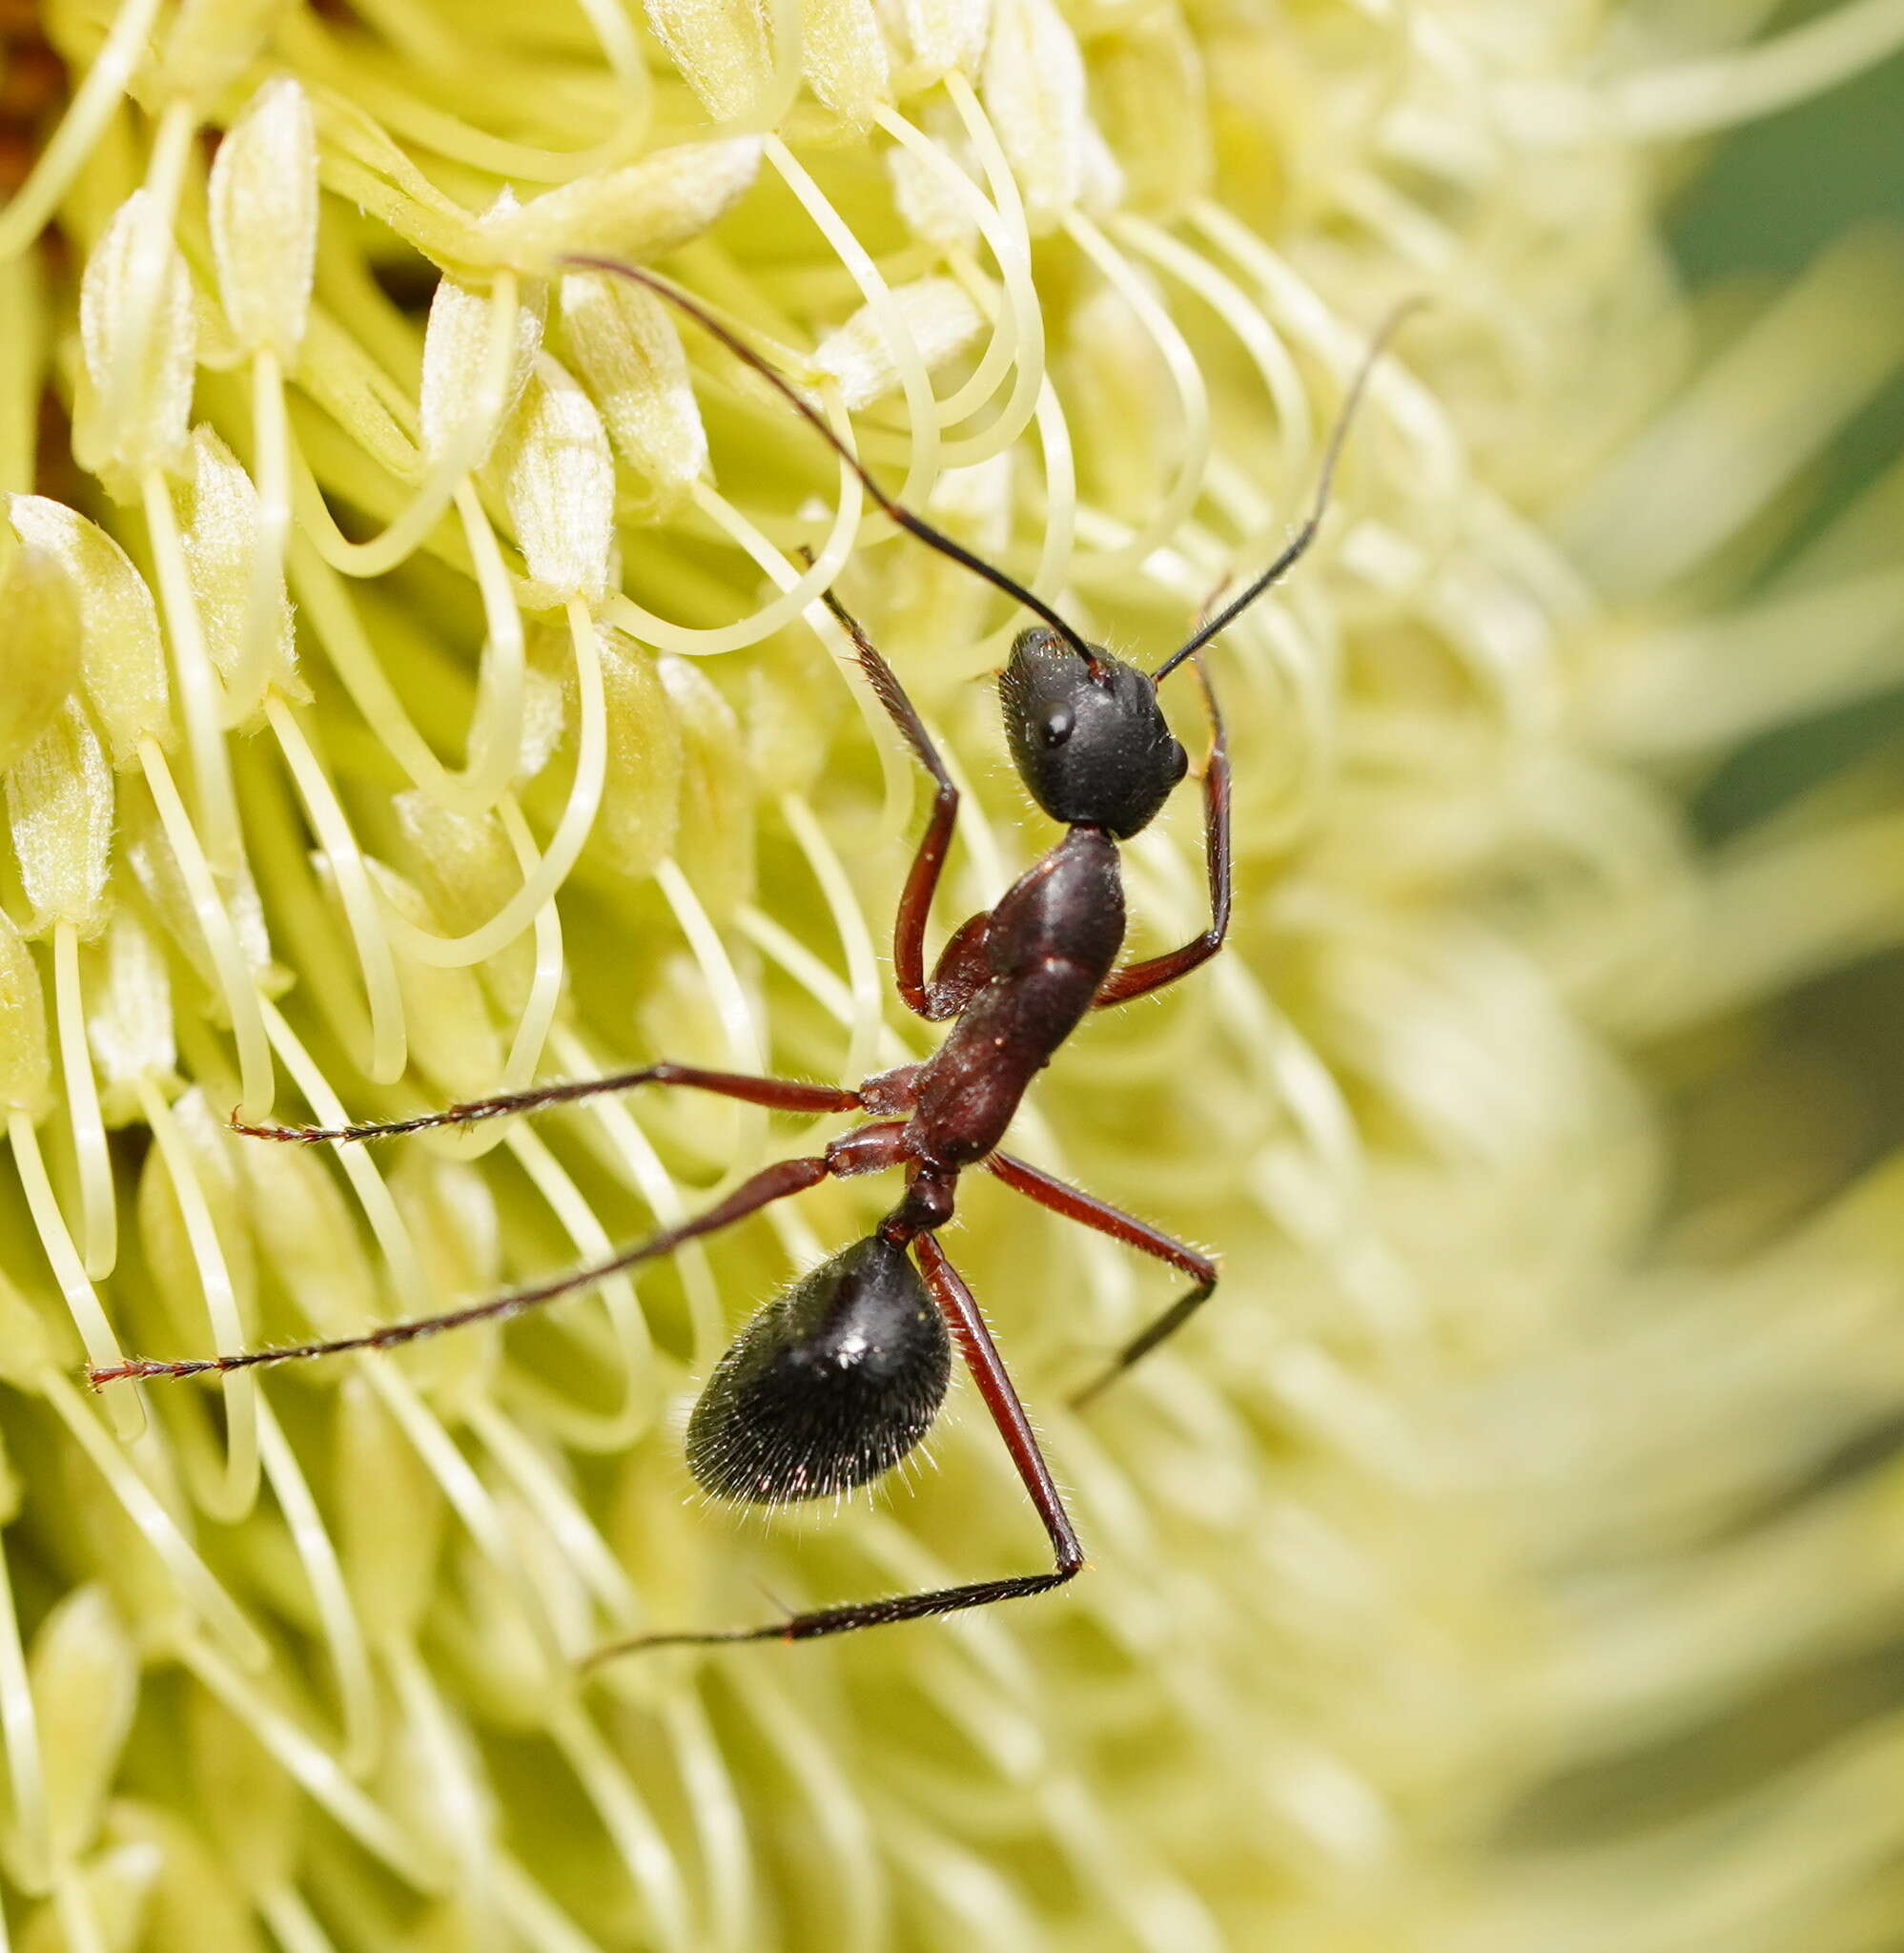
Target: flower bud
x=1119 y=372
x=466 y=870
x=946 y=35
x=136 y=416
x=264 y=219
x=792 y=704
x=453 y=1042
x=942 y=319
x=128 y=1016
x=640 y=794
x=253 y=1810
x=218 y=524
x=145 y=847
x=625 y=343
x=1035 y=95
x=1147 y=82
x=176 y=1272
x=845 y=57
x=715 y=843
x=211 y=45
x=59 y=808
x=927 y=196
x=558 y=480
x=456 y=349
x=39 y=625
x=307 y=1237
x=721 y=48
x=121 y=657
x=26 y=1065
x=84 y=1673
x=390 y=1514
x=642 y=211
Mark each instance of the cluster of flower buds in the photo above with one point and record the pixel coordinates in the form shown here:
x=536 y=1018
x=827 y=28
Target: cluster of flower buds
x=415 y=683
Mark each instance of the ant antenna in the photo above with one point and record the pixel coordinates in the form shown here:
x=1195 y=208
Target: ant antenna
x=912 y=524
x=1325 y=481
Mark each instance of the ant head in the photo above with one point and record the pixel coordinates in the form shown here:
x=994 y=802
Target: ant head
x=832 y=1382
x=1088 y=737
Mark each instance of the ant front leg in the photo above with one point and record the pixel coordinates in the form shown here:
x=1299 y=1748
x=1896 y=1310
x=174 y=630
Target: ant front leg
x=1139 y=979
x=940 y=998
x=974 y=1342
x=780 y=1095
x=1089 y=1211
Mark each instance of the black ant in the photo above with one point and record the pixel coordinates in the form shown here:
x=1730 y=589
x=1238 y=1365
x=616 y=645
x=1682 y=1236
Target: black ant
x=839 y=1377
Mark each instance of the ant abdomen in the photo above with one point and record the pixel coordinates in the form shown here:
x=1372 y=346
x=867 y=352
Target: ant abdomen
x=832 y=1382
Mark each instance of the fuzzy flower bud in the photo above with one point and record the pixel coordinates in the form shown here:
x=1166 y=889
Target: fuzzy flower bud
x=1035 y=93
x=134 y=418
x=626 y=345
x=947 y=37
x=1147 y=82
x=456 y=354
x=59 y=805
x=121 y=655
x=39 y=626
x=845 y=61
x=716 y=835
x=721 y=48
x=938 y=312
x=558 y=480
x=219 y=526
x=212 y=43
x=85 y=1678
x=264 y=219
x=641 y=796
x=642 y=211
x=26 y=1065
x=927 y=197
x=129 y=1020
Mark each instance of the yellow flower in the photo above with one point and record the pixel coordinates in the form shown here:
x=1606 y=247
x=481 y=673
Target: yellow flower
x=411 y=687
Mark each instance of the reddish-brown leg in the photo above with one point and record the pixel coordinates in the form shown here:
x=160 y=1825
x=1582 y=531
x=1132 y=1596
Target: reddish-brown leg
x=864 y=1150
x=782 y=1095
x=1139 y=979
x=922 y=879
x=974 y=1344
x=1075 y=1204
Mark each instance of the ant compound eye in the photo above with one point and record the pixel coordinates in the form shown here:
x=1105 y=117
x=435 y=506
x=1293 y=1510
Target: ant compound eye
x=831 y=1383
x=1056 y=727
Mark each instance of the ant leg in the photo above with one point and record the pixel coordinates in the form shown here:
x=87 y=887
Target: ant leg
x=922 y=879
x=974 y=1339
x=1075 y=1204
x=782 y=1095
x=861 y=1151
x=1139 y=979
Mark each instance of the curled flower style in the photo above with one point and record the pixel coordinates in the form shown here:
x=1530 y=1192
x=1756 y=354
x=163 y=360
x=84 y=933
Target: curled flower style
x=416 y=683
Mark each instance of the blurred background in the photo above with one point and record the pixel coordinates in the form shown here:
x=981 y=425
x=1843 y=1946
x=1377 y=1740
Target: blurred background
x=1758 y=208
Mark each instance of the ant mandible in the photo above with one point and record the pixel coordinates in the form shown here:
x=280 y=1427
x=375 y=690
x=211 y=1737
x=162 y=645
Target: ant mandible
x=840 y=1377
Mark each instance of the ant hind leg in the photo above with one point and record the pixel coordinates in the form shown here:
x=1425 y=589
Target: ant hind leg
x=974 y=1342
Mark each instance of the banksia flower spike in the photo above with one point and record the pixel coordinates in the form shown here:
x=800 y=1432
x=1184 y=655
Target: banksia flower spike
x=416 y=682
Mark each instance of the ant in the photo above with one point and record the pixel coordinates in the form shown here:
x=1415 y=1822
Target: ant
x=838 y=1378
